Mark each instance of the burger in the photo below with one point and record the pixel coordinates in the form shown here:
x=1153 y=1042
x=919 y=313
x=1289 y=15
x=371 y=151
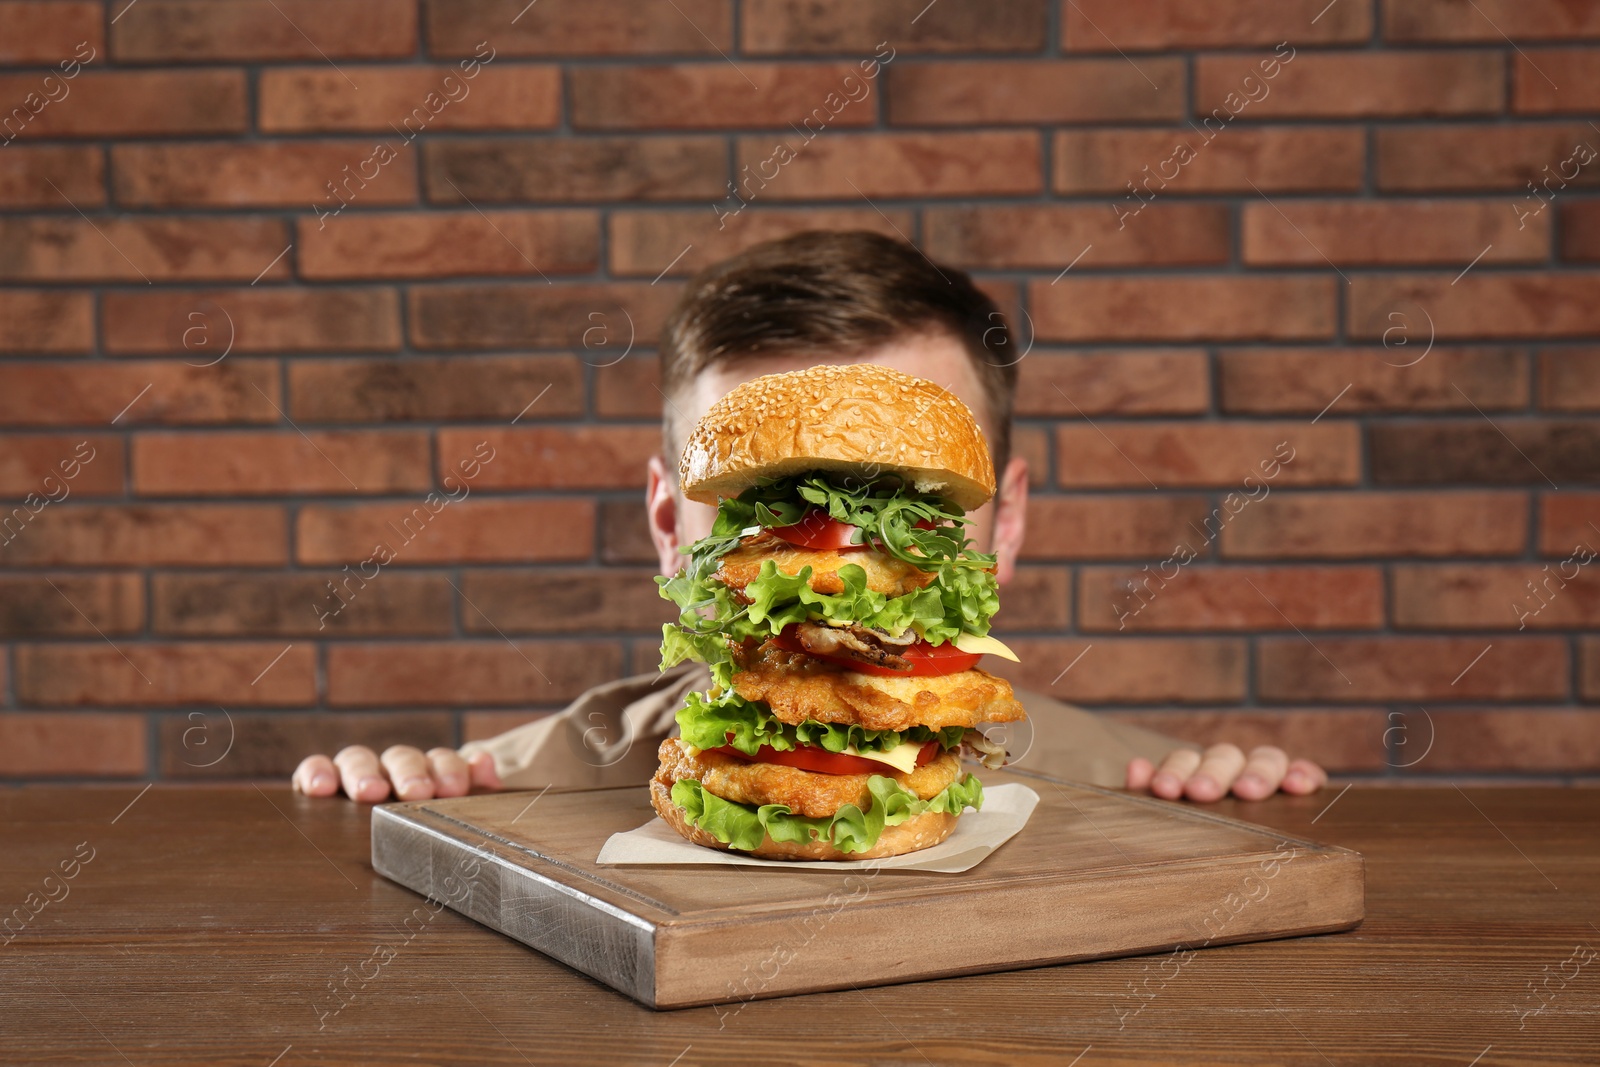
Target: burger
x=842 y=612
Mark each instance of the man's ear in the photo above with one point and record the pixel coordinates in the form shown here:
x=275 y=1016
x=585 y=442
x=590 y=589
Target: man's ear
x=661 y=505
x=1010 y=518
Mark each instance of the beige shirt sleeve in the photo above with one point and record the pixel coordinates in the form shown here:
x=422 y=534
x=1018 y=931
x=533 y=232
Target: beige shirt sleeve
x=610 y=736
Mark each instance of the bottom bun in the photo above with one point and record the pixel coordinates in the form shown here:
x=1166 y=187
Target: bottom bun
x=916 y=833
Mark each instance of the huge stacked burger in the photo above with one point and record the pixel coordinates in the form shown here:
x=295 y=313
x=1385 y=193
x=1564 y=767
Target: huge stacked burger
x=842 y=614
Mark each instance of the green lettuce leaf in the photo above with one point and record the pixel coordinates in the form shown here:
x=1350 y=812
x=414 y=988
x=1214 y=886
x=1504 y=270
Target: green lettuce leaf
x=707 y=723
x=744 y=826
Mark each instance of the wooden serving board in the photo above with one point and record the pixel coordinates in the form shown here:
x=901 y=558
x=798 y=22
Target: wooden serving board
x=1094 y=874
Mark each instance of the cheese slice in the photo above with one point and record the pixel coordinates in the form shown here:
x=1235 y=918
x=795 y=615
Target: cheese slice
x=991 y=646
x=902 y=757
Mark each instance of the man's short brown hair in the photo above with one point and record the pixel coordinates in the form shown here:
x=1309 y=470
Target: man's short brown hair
x=849 y=292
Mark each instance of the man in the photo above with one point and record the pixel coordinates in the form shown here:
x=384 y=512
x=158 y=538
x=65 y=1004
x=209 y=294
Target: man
x=812 y=298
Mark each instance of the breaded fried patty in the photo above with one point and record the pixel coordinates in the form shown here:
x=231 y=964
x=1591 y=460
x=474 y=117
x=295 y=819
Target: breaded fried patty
x=805 y=792
x=885 y=574
x=798 y=687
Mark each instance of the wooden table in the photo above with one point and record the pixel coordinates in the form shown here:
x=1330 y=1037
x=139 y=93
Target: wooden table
x=237 y=925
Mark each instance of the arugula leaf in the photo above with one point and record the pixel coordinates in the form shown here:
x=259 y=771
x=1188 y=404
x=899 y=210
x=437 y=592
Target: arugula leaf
x=707 y=723
x=850 y=829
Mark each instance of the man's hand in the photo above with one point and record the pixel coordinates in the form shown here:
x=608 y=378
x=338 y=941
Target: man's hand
x=415 y=775
x=1209 y=775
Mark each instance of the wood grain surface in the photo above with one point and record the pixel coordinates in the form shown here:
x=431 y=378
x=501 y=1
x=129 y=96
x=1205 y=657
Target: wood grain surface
x=1095 y=874
x=236 y=925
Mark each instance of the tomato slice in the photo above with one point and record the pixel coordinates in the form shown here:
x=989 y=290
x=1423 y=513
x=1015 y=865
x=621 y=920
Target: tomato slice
x=927 y=661
x=820 y=532
x=818 y=759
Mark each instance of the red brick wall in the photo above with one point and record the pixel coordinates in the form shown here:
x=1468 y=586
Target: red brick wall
x=251 y=318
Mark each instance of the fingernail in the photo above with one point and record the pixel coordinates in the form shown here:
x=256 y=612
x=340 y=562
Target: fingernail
x=1252 y=782
x=452 y=781
x=1165 y=781
x=407 y=786
x=321 y=782
x=368 y=784
x=1294 y=778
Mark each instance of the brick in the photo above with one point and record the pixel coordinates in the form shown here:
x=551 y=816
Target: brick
x=232 y=674
x=41 y=33
x=596 y=27
x=462 y=673
x=77 y=172
x=272 y=744
x=1193 y=454
x=435 y=389
x=1171 y=597
x=556 y=457
x=564 y=601
x=75 y=465
x=1479 y=306
x=1374 y=379
x=1560 y=594
x=1051 y=236
x=1388 y=668
x=50 y=322
x=127 y=103
x=86 y=744
x=1157 y=382
x=1289 y=307
x=254 y=320
x=625 y=533
x=1580 y=231
x=1589 y=681
x=1034 y=92
x=1352 y=85
x=468 y=531
x=301 y=605
x=70 y=605
x=1465 y=156
x=1138 y=25
x=406 y=101
x=1567 y=520
x=1150 y=670
x=537 y=315
x=1085 y=527
x=482 y=725
x=189 y=31
x=1276 y=159
x=280 y=463
x=894 y=165
x=1493 y=21
x=1035 y=444
x=1522 y=739
x=891 y=27
x=1342 y=740
x=1037 y=598
x=1346 y=233
x=1569 y=380
x=317 y=176
x=96 y=392
x=565 y=169
x=648 y=243
x=62 y=249
x=629 y=389
x=1358 y=525
x=715 y=95
x=81 y=535
x=1555 y=81
x=1477 y=453
x=450 y=244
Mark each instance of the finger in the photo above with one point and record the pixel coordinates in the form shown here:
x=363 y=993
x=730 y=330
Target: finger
x=449 y=772
x=1262 y=773
x=1218 y=768
x=360 y=774
x=1304 y=777
x=484 y=776
x=1174 y=771
x=1140 y=771
x=316 y=777
x=407 y=768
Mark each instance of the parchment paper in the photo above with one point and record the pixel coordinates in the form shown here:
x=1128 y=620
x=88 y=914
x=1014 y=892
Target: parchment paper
x=1005 y=810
